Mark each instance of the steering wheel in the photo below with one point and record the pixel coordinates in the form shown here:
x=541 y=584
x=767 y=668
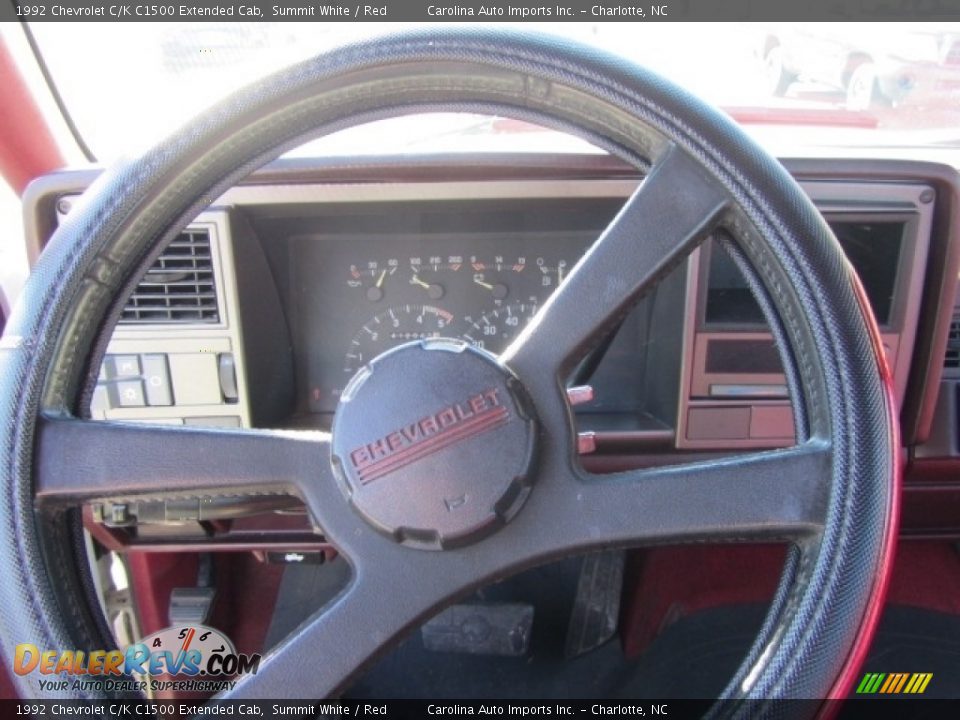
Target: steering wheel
x=465 y=468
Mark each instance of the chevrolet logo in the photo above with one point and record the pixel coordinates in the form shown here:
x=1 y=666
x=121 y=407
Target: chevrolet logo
x=477 y=414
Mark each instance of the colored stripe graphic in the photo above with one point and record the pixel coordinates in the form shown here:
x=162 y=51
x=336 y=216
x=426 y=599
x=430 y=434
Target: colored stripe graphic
x=891 y=679
x=894 y=683
x=870 y=683
x=480 y=423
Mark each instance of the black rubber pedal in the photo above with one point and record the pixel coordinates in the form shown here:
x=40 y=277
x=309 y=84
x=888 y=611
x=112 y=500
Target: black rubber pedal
x=481 y=629
x=596 y=608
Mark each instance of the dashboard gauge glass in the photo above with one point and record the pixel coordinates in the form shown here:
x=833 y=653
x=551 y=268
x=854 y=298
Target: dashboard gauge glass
x=361 y=279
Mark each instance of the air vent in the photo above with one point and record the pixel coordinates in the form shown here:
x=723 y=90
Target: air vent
x=179 y=288
x=952 y=358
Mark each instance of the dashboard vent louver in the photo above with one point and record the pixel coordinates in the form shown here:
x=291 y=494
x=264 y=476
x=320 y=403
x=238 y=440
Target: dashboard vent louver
x=179 y=287
x=952 y=358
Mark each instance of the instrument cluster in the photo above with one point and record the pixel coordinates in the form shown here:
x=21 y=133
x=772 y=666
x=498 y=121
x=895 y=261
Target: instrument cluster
x=361 y=296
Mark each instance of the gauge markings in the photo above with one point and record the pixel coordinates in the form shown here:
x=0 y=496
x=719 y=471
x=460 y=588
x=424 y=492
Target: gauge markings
x=494 y=330
x=393 y=327
x=468 y=284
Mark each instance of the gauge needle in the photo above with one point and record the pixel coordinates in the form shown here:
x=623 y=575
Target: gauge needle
x=499 y=290
x=380 y=279
x=434 y=291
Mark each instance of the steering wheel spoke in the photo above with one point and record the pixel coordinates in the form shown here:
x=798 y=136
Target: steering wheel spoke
x=80 y=460
x=389 y=594
x=671 y=212
x=778 y=494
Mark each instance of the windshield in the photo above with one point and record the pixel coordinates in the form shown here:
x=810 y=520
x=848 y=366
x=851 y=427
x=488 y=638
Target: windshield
x=848 y=84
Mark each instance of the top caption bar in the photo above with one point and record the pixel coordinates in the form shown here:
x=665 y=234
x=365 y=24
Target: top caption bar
x=592 y=11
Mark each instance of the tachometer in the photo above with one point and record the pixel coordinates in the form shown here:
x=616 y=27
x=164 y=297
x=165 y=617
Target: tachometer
x=393 y=327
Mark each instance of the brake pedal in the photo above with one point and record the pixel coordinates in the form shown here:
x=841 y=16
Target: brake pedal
x=192 y=605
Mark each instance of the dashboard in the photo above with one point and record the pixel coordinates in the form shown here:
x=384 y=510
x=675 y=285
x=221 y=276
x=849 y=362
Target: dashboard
x=265 y=306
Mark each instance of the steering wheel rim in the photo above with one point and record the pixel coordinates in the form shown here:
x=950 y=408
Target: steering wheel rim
x=704 y=173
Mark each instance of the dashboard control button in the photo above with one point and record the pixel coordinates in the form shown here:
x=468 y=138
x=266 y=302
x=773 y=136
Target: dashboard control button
x=156 y=377
x=227 y=370
x=123 y=366
x=579 y=394
x=586 y=442
x=129 y=393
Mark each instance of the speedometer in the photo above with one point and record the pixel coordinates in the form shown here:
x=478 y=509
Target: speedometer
x=494 y=330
